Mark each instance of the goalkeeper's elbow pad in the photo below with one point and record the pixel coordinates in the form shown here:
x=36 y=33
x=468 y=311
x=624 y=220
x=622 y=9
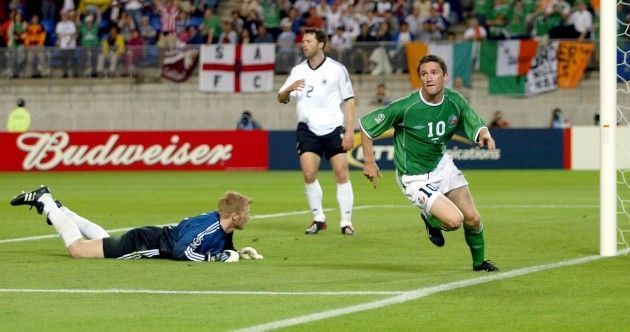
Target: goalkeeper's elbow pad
x=227 y=256
x=249 y=253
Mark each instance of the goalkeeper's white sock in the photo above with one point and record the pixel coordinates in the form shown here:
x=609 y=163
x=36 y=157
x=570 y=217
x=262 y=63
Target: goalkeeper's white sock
x=314 y=196
x=89 y=229
x=66 y=228
x=345 y=197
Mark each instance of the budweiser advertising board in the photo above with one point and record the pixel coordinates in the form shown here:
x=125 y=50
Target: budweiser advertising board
x=134 y=150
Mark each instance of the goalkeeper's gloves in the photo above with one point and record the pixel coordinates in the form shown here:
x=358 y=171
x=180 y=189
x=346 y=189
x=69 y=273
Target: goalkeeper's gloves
x=227 y=256
x=249 y=253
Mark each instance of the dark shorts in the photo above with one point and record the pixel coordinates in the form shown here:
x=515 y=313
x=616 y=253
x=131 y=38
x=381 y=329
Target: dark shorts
x=141 y=242
x=327 y=145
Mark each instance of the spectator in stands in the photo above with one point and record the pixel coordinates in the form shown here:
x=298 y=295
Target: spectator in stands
x=263 y=35
x=168 y=17
x=424 y=9
x=287 y=49
x=475 y=31
x=558 y=121
x=435 y=26
x=415 y=22
x=341 y=45
x=228 y=36
x=399 y=55
x=252 y=23
x=66 y=41
x=19 y=119
x=498 y=19
x=49 y=9
x=381 y=99
x=365 y=43
x=134 y=9
x=126 y=25
x=443 y=8
x=112 y=49
x=90 y=44
x=244 y=37
x=135 y=51
x=4 y=29
x=551 y=15
x=271 y=17
x=247 y=122
x=194 y=35
x=15 y=45
x=34 y=39
x=498 y=121
x=237 y=21
x=580 y=22
x=481 y=10
x=147 y=32
x=313 y=20
x=517 y=25
x=211 y=27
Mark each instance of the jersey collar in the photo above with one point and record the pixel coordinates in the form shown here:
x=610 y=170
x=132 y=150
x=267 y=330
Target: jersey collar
x=428 y=103
x=309 y=64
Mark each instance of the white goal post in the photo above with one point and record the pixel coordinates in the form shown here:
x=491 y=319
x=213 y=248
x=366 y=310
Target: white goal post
x=608 y=123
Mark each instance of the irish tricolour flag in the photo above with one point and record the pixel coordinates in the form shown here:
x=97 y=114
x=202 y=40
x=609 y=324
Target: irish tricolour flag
x=507 y=58
x=457 y=57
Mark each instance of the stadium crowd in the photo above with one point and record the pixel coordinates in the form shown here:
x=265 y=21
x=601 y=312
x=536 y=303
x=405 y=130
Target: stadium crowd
x=115 y=31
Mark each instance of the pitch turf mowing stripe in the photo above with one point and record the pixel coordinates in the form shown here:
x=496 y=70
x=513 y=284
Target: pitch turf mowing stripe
x=294 y=213
x=184 y=292
x=417 y=294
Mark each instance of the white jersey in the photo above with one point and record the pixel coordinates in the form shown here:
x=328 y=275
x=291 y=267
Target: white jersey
x=325 y=88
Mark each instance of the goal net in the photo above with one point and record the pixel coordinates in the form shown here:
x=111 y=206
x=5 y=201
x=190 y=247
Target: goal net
x=619 y=123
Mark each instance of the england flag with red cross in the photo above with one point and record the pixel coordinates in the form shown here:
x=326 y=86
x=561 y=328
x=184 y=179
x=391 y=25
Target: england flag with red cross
x=237 y=68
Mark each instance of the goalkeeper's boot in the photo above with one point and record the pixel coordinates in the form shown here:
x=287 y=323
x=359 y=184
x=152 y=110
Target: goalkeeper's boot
x=315 y=227
x=348 y=230
x=31 y=199
x=58 y=205
x=435 y=234
x=486 y=266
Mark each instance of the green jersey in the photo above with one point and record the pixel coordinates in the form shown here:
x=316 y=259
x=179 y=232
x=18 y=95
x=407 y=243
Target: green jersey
x=421 y=129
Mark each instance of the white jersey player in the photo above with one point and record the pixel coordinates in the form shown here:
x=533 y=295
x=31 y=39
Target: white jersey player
x=321 y=86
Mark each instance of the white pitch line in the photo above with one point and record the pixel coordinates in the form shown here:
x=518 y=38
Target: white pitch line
x=360 y=207
x=417 y=294
x=184 y=292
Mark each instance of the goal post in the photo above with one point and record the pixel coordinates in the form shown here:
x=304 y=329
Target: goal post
x=608 y=123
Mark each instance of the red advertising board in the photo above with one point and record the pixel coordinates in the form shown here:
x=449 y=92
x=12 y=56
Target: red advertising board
x=134 y=150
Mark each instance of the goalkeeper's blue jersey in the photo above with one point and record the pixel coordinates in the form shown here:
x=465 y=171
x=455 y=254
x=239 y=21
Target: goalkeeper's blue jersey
x=198 y=237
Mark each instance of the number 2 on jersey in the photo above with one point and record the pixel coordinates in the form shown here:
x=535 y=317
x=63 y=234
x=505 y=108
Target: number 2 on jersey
x=309 y=90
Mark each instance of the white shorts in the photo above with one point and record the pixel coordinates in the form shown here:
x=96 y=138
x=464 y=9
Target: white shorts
x=423 y=189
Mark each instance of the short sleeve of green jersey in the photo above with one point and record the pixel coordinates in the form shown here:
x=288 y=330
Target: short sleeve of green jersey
x=377 y=122
x=471 y=121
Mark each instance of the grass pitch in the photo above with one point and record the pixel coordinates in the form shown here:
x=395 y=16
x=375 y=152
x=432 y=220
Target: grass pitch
x=532 y=218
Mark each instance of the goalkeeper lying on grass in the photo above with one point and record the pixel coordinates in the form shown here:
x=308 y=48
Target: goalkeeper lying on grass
x=206 y=237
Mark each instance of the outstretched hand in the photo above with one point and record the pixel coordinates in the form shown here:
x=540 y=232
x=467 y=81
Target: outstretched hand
x=486 y=140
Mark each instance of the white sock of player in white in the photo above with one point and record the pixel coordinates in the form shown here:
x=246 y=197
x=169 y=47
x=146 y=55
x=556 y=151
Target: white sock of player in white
x=66 y=228
x=345 y=197
x=89 y=229
x=314 y=196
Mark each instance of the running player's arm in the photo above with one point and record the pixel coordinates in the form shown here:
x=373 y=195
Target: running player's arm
x=473 y=125
x=290 y=85
x=347 y=94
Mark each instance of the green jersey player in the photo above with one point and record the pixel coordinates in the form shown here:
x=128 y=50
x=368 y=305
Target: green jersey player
x=424 y=121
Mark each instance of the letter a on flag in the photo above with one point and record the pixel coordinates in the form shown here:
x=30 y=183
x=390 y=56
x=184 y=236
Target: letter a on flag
x=237 y=68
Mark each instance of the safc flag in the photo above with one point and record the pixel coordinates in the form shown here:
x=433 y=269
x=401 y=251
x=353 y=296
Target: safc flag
x=237 y=68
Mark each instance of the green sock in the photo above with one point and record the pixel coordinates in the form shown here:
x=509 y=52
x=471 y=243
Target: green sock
x=474 y=239
x=435 y=223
